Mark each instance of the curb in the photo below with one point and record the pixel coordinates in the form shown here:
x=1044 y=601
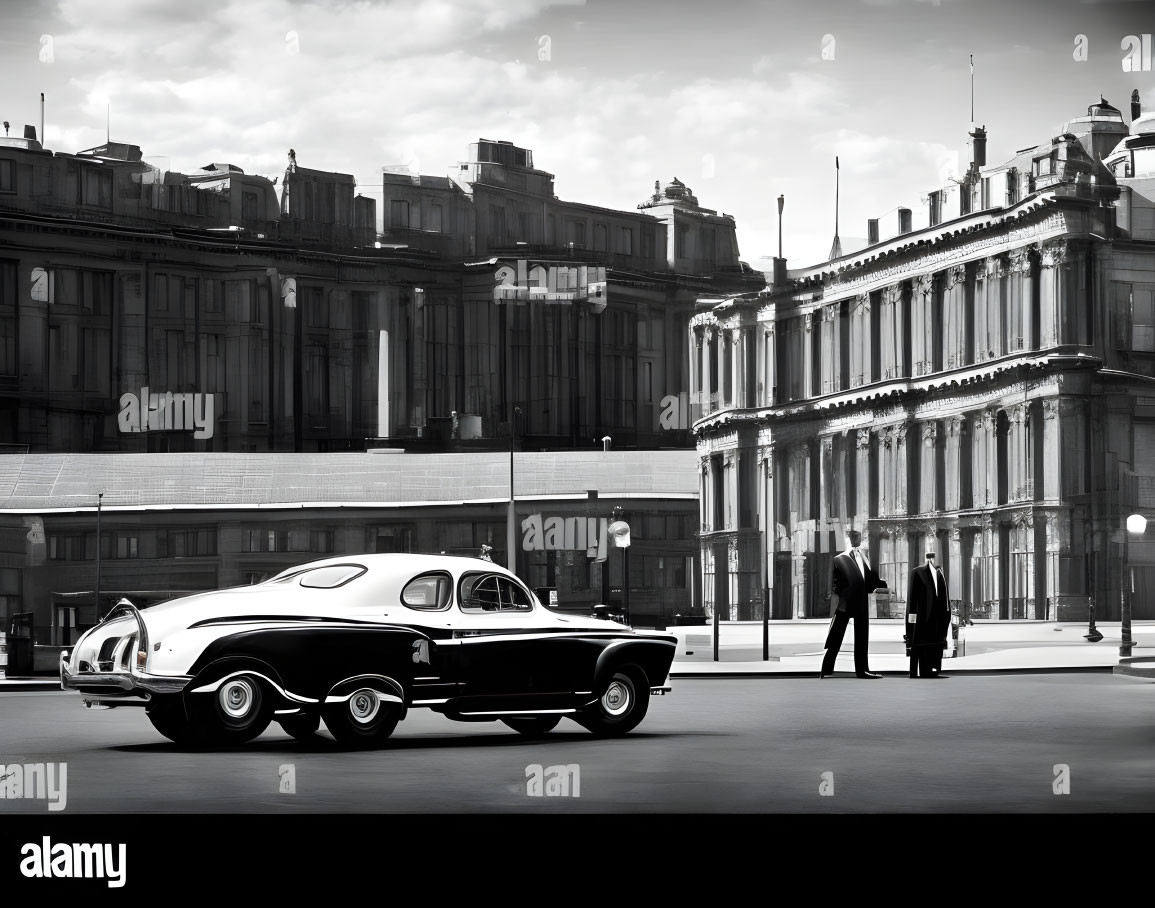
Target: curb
x=1036 y=670
x=22 y=686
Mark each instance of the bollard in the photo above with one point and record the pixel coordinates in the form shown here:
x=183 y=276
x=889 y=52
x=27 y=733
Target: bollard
x=1092 y=635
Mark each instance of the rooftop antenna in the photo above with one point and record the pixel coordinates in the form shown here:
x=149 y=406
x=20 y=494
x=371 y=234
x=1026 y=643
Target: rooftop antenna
x=836 y=249
x=972 y=91
x=42 y=142
x=107 y=123
x=781 y=202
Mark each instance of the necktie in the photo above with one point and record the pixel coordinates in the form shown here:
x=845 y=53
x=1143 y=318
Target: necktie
x=937 y=581
x=858 y=561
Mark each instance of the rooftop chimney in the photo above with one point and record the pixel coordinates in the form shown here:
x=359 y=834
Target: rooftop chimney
x=30 y=132
x=979 y=139
x=1136 y=107
x=871 y=231
x=904 y=221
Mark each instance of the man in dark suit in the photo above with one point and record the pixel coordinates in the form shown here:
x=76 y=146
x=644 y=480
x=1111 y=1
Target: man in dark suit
x=854 y=579
x=927 y=620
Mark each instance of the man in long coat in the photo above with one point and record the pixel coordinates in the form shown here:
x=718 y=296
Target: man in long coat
x=927 y=620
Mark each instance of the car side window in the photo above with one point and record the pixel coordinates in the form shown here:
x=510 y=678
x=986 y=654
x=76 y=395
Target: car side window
x=327 y=578
x=492 y=593
x=428 y=592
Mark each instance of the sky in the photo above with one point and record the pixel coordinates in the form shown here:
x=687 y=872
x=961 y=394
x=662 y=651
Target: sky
x=743 y=100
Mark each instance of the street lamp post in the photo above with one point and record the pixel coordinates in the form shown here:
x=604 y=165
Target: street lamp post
x=99 y=501
x=511 y=519
x=619 y=532
x=1136 y=526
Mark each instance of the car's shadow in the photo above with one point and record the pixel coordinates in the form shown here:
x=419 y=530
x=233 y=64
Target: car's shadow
x=322 y=743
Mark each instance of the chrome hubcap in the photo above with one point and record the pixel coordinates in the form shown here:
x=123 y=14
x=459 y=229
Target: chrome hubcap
x=616 y=699
x=237 y=697
x=364 y=705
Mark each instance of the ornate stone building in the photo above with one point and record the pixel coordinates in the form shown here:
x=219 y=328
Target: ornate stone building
x=980 y=386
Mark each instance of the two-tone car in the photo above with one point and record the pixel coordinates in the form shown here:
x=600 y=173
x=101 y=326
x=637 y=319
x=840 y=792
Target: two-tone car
x=356 y=641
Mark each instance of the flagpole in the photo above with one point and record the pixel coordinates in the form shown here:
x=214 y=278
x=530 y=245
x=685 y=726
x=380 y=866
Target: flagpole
x=972 y=92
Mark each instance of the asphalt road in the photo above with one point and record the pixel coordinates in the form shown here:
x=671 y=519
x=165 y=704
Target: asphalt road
x=985 y=744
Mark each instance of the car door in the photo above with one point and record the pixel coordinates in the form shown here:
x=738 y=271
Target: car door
x=509 y=649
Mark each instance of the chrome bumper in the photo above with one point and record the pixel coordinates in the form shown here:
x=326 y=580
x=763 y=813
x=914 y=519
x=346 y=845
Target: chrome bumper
x=122 y=686
x=132 y=685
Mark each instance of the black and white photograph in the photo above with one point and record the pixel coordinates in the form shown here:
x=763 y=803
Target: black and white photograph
x=550 y=414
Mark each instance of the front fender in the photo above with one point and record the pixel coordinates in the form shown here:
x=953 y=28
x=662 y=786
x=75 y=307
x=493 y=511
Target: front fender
x=653 y=656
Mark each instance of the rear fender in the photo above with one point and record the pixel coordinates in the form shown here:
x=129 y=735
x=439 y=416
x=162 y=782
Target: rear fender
x=212 y=676
x=389 y=688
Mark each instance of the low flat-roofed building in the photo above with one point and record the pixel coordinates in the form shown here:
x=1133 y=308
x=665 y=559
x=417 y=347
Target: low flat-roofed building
x=170 y=524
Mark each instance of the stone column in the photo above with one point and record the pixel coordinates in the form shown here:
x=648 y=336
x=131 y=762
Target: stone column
x=885 y=470
x=770 y=396
x=928 y=475
x=1019 y=299
x=828 y=483
x=834 y=370
x=1057 y=319
x=953 y=463
x=985 y=472
x=862 y=484
x=921 y=326
x=808 y=389
x=695 y=371
x=1058 y=543
x=991 y=591
x=705 y=498
x=954 y=318
x=984 y=284
x=730 y=491
x=738 y=367
x=708 y=399
x=890 y=337
x=1052 y=461
x=860 y=340
x=1019 y=475
x=901 y=453
x=954 y=572
x=1024 y=584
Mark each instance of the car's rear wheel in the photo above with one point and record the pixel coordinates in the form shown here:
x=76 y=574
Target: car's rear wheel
x=365 y=719
x=303 y=727
x=621 y=705
x=532 y=726
x=236 y=712
x=167 y=715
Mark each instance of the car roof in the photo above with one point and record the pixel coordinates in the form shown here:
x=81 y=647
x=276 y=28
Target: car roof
x=401 y=563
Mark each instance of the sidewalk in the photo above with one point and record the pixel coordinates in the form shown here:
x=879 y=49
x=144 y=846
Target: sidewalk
x=796 y=648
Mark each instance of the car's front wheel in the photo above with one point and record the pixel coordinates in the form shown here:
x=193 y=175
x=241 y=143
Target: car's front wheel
x=622 y=704
x=365 y=719
x=532 y=726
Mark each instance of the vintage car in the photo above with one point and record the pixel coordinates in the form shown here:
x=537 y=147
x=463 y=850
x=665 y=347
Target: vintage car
x=358 y=640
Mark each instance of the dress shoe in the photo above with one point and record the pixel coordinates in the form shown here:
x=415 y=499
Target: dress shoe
x=869 y=675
